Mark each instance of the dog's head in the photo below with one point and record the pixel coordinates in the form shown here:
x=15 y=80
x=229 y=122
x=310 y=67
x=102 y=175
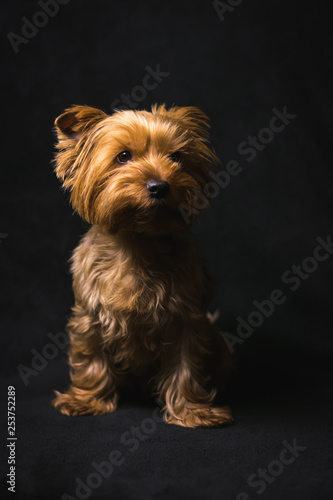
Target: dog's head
x=135 y=170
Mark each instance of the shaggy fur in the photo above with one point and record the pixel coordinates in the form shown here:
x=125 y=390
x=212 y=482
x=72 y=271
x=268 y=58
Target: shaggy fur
x=141 y=291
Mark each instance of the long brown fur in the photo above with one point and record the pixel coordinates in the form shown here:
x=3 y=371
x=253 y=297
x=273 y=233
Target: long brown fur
x=141 y=290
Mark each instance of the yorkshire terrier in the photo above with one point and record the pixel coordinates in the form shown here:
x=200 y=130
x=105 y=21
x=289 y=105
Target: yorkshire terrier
x=141 y=289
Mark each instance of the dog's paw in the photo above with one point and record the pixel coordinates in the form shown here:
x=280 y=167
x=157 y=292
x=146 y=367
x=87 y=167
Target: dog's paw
x=201 y=417
x=69 y=404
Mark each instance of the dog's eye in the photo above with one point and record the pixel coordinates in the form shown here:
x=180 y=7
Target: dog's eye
x=124 y=157
x=175 y=157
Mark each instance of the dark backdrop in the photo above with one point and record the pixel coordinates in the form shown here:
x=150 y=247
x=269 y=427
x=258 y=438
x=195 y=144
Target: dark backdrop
x=241 y=65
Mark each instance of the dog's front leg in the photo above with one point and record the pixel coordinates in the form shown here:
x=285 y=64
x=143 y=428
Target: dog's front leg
x=92 y=389
x=184 y=383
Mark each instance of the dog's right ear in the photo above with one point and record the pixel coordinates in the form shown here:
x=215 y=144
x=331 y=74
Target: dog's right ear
x=76 y=120
x=73 y=125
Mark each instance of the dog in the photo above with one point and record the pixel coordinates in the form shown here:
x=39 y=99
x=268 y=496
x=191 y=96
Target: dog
x=141 y=289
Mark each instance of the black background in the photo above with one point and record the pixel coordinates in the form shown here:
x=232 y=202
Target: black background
x=263 y=55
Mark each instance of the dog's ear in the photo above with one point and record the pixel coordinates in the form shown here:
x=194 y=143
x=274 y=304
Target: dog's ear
x=195 y=122
x=72 y=126
x=190 y=117
x=76 y=120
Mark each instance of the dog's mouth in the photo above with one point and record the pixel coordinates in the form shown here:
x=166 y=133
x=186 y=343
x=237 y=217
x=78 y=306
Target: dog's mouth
x=158 y=203
x=156 y=217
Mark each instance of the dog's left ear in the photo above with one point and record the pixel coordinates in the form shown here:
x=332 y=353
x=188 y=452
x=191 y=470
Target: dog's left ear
x=76 y=120
x=190 y=117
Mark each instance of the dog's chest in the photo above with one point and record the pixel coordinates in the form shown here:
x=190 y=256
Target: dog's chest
x=148 y=283
x=163 y=285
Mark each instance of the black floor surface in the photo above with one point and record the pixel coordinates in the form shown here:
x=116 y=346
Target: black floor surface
x=131 y=454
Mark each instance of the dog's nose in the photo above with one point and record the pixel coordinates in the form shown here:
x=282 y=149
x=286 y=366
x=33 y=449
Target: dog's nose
x=157 y=189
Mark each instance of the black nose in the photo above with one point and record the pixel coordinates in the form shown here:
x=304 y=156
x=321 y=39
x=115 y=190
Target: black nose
x=157 y=189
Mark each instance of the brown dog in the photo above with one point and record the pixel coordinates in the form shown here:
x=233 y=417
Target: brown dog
x=141 y=291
